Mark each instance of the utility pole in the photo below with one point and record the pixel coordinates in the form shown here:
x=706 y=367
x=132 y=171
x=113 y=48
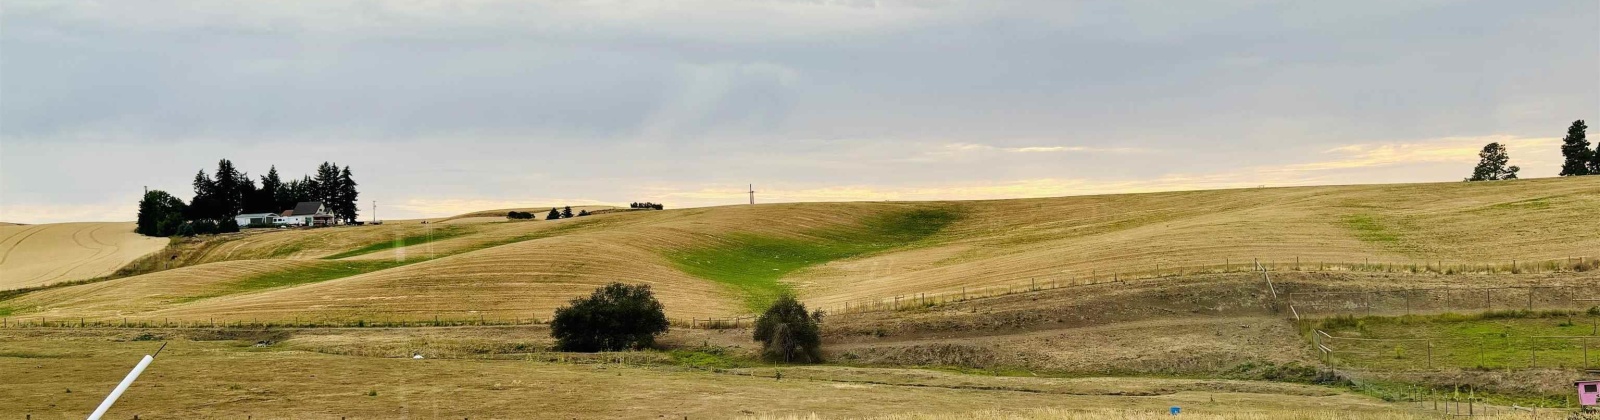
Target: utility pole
x=752 y=194
x=374 y=210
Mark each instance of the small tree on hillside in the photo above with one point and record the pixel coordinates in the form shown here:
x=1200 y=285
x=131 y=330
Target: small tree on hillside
x=566 y=212
x=614 y=317
x=787 y=333
x=553 y=215
x=1575 y=148
x=1492 y=164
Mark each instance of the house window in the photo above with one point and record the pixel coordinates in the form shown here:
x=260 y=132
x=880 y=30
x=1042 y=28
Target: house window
x=1590 y=388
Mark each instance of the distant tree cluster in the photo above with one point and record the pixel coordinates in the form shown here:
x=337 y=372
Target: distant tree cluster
x=564 y=213
x=519 y=215
x=160 y=214
x=654 y=206
x=230 y=192
x=1579 y=159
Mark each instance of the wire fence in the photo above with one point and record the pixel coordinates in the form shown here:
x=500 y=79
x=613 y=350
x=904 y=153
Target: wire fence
x=1445 y=299
x=1487 y=351
x=1158 y=271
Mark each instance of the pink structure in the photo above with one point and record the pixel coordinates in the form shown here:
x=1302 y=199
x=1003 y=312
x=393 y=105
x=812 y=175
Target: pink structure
x=1588 y=392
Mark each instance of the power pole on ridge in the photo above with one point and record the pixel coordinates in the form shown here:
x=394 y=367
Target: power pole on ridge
x=752 y=194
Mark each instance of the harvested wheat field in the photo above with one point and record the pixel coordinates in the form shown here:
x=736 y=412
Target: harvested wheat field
x=208 y=375
x=38 y=255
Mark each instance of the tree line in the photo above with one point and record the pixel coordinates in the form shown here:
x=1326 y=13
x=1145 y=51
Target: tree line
x=655 y=206
x=231 y=192
x=1578 y=158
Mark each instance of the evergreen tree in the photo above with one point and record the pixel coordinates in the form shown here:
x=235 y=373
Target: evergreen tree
x=228 y=190
x=1492 y=164
x=553 y=215
x=204 y=205
x=326 y=187
x=272 y=194
x=348 y=208
x=566 y=212
x=1575 y=148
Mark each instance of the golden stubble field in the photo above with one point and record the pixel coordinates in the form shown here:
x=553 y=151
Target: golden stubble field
x=37 y=255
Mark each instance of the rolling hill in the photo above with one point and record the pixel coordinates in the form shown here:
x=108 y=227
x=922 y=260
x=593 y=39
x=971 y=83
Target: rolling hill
x=38 y=255
x=725 y=261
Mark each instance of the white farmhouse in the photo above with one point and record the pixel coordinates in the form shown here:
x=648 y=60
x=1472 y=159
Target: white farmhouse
x=310 y=213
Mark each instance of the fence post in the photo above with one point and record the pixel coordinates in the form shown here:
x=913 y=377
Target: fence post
x=1530 y=298
x=1430 y=355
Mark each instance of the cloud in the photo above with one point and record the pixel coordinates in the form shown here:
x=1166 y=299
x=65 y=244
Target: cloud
x=1452 y=149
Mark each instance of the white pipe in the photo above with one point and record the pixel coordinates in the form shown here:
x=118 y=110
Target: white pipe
x=115 y=393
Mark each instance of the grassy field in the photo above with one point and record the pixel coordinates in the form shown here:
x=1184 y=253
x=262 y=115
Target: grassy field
x=63 y=373
x=1151 y=288
x=1493 y=340
x=754 y=264
x=725 y=261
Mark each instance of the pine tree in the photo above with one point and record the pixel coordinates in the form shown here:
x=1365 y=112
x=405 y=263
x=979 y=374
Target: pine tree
x=326 y=187
x=273 y=194
x=1575 y=148
x=229 y=190
x=1492 y=164
x=566 y=212
x=347 y=196
x=204 y=204
x=553 y=215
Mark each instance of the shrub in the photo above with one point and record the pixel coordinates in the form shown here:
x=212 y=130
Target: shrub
x=787 y=333
x=186 y=230
x=519 y=215
x=227 y=226
x=614 y=317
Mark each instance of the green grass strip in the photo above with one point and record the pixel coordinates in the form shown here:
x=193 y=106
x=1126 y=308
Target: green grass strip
x=316 y=273
x=753 y=264
x=447 y=232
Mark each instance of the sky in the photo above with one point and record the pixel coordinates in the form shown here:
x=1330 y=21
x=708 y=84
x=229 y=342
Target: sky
x=446 y=107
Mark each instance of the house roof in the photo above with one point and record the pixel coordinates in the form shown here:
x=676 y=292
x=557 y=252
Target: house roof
x=306 y=208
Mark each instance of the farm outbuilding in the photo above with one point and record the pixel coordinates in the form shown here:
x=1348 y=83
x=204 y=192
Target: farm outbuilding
x=1588 y=392
x=256 y=219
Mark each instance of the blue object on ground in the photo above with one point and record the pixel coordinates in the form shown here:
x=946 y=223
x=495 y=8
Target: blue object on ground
x=1175 y=410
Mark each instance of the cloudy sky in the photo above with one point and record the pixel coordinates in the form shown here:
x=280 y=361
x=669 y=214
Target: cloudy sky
x=443 y=107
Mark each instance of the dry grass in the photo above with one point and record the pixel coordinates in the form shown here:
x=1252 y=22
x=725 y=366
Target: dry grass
x=1153 y=414
x=230 y=376
x=38 y=255
x=1074 y=238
